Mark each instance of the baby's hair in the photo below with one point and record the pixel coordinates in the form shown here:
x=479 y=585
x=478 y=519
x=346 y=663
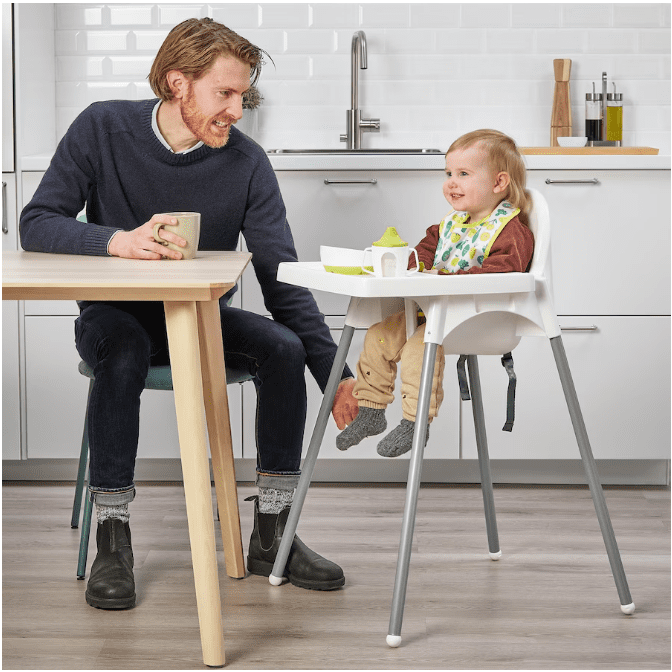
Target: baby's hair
x=503 y=156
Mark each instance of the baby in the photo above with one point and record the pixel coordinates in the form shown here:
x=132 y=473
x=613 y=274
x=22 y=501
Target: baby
x=486 y=232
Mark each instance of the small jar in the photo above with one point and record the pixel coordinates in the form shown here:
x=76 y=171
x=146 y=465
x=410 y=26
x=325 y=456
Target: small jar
x=594 y=116
x=615 y=117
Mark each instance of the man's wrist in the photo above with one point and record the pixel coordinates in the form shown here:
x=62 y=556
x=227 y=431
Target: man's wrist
x=109 y=242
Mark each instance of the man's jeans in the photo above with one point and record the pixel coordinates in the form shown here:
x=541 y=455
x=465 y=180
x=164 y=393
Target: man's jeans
x=121 y=340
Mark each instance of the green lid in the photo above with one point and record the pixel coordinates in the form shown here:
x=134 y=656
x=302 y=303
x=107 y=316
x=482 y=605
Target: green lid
x=390 y=239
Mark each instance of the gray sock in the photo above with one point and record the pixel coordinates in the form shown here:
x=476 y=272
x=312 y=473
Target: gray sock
x=399 y=440
x=274 y=501
x=119 y=511
x=369 y=422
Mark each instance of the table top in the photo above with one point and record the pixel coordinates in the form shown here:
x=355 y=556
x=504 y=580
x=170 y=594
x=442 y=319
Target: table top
x=311 y=274
x=37 y=275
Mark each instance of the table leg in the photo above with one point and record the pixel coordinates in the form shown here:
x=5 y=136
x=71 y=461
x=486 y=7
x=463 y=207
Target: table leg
x=219 y=430
x=182 y=327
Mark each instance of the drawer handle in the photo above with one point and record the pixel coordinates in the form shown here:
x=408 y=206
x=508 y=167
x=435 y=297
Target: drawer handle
x=593 y=327
x=5 y=228
x=593 y=181
x=371 y=181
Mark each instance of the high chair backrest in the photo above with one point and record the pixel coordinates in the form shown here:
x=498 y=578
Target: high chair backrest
x=540 y=225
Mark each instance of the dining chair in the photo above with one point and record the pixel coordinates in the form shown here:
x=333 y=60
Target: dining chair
x=158 y=378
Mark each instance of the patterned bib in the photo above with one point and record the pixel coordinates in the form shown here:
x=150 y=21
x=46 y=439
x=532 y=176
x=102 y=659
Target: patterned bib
x=461 y=245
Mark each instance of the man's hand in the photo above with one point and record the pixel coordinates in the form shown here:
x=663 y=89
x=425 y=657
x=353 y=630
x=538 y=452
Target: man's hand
x=345 y=408
x=140 y=244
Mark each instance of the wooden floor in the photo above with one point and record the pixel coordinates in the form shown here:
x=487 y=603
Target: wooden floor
x=549 y=603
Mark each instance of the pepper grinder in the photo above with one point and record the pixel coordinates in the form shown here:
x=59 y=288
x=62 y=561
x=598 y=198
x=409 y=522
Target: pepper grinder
x=561 y=117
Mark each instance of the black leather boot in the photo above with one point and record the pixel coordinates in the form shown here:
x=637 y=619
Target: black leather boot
x=304 y=568
x=111 y=584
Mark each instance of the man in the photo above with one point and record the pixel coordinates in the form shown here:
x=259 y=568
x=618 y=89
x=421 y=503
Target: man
x=128 y=160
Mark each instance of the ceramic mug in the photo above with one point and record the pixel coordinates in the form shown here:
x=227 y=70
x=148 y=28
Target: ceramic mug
x=391 y=262
x=188 y=227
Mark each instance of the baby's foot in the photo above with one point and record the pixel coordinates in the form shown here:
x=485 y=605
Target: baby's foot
x=369 y=422
x=399 y=440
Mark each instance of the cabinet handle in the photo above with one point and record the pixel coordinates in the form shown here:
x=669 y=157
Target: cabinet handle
x=5 y=228
x=593 y=181
x=593 y=327
x=371 y=181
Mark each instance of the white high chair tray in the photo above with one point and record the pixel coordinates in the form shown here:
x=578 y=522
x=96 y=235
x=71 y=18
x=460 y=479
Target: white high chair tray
x=311 y=274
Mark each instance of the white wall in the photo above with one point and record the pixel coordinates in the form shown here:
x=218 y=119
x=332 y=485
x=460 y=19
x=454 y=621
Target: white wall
x=435 y=70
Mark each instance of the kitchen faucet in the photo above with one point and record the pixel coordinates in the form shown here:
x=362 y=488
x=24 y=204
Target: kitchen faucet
x=355 y=124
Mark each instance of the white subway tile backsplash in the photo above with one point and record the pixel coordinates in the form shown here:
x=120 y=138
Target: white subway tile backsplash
x=638 y=15
x=535 y=15
x=485 y=15
x=237 y=16
x=561 y=43
x=586 y=15
x=131 y=15
x=310 y=41
x=385 y=15
x=285 y=15
x=438 y=15
x=171 y=15
x=78 y=16
x=335 y=15
x=436 y=70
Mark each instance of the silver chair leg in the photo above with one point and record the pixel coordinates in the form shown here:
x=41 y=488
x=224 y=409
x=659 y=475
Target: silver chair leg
x=81 y=470
x=413 y=485
x=311 y=456
x=483 y=458
x=627 y=605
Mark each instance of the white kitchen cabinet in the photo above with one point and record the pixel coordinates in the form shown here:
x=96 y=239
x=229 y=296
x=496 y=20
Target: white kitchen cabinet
x=11 y=404
x=444 y=430
x=57 y=392
x=7 y=91
x=610 y=240
x=621 y=371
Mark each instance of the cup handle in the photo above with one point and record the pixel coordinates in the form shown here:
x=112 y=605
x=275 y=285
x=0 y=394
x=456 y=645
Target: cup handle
x=417 y=263
x=158 y=238
x=368 y=249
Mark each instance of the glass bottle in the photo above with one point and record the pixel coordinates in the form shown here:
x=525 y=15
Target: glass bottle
x=594 y=117
x=615 y=116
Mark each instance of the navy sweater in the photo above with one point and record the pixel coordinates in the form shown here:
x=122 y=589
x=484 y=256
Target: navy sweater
x=111 y=159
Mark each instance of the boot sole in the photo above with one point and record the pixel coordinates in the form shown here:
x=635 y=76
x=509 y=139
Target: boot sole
x=263 y=568
x=101 y=603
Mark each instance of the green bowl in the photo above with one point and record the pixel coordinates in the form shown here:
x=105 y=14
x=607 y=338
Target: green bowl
x=347 y=270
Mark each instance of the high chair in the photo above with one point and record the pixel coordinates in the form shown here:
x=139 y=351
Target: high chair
x=484 y=314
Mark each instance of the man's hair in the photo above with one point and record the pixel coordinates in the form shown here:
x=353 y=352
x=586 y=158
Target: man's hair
x=193 y=46
x=502 y=156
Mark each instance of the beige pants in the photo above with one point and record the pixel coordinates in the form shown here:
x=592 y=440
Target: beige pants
x=385 y=345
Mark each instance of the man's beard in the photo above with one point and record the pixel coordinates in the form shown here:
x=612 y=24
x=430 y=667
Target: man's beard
x=199 y=124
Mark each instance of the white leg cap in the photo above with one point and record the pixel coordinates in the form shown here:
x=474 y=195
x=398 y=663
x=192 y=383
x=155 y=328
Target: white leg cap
x=496 y=556
x=275 y=580
x=394 y=640
x=628 y=608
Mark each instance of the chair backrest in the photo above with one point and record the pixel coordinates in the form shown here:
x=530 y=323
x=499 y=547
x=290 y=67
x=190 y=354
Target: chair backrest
x=540 y=225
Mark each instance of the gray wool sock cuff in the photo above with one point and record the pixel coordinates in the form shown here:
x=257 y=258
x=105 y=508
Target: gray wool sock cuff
x=104 y=512
x=274 y=501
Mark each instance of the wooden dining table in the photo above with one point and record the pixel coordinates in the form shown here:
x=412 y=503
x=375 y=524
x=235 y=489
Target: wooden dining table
x=190 y=291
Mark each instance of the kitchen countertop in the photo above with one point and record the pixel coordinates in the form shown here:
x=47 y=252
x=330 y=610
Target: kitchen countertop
x=282 y=162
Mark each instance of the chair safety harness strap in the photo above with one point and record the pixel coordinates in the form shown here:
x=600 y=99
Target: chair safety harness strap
x=507 y=363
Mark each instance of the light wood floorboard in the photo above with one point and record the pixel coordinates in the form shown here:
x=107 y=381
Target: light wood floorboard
x=549 y=603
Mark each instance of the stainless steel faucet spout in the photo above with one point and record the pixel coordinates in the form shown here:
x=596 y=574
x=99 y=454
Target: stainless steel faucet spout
x=355 y=124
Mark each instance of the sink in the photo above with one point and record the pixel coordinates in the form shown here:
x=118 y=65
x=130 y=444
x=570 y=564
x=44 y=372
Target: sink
x=354 y=151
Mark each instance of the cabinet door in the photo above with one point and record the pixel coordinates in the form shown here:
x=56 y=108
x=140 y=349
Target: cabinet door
x=7 y=89
x=444 y=433
x=621 y=371
x=57 y=394
x=353 y=216
x=11 y=406
x=610 y=240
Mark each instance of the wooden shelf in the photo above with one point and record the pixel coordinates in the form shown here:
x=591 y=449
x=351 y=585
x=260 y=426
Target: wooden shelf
x=587 y=150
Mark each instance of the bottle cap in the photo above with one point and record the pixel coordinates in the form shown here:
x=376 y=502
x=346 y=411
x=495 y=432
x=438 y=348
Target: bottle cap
x=615 y=97
x=594 y=97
